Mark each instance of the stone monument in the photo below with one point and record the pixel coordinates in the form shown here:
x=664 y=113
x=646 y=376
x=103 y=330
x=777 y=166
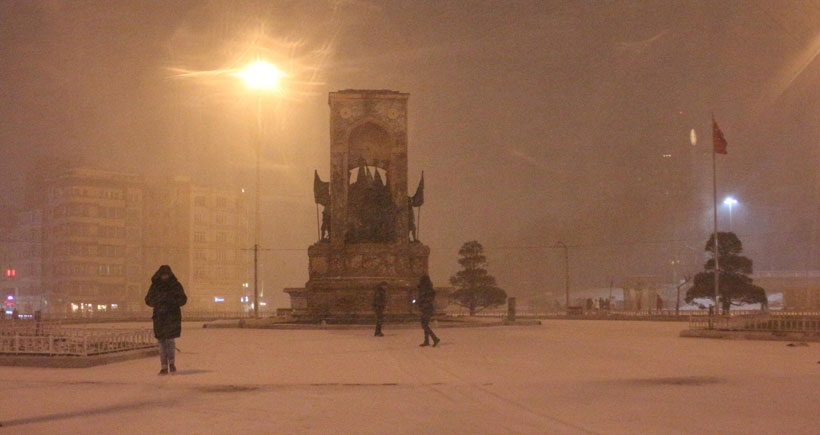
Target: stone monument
x=368 y=232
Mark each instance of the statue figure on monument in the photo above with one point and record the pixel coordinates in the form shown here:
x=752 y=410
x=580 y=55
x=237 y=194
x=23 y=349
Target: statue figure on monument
x=321 y=196
x=411 y=217
x=371 y=207
x=325 y=233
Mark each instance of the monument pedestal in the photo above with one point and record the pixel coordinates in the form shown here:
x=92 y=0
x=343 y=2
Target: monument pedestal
x=343 y=279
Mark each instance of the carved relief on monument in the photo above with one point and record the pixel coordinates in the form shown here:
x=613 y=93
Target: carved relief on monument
x=349 y=112
x=371 y=264
x=337 y=266
x=387 y=111
x=395 y=111
x=419 y=265
x=318 y=266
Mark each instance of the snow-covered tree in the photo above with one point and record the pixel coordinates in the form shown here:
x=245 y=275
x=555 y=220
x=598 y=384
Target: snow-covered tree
x=476 y=289
x=735 y=287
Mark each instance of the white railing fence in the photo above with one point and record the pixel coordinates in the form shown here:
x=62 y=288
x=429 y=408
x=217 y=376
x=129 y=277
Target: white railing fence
x=771 y=322
x=40 y=338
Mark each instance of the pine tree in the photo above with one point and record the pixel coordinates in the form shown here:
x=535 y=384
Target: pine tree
x=735 y=287
x=476 y=289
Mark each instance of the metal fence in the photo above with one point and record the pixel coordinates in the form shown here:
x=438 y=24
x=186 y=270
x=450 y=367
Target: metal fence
x=41 y=338
x=808 y=322
x=134 y=316
x=580 y=312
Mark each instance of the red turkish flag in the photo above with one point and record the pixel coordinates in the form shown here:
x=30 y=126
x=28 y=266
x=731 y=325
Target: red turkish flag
x=718 y=140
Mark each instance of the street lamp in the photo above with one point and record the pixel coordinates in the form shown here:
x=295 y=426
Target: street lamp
x=260 y=76
x=730 y=202
x=566 y=269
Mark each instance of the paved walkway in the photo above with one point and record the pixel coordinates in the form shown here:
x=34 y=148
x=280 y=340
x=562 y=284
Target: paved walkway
x=563 y=377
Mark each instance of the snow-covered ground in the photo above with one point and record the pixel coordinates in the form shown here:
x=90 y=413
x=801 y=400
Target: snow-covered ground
x=563 y=377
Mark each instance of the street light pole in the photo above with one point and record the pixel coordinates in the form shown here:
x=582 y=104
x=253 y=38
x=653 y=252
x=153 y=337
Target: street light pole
x=256 y=206
x=261 y=76
x=566 y=270
x=677 y=301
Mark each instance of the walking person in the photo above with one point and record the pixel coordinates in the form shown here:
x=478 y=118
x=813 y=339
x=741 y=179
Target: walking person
x=165 y=296
x=379 y=302
x=427 y=295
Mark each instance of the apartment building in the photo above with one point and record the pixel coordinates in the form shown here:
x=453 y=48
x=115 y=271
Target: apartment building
x=92 y=239
x=20 y=263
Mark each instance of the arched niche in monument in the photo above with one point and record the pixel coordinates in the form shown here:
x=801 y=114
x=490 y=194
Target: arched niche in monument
x=369 y=142
x=371 y=207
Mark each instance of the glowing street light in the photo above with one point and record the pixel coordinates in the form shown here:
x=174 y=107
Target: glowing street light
x=730 y=202
x=260 y=76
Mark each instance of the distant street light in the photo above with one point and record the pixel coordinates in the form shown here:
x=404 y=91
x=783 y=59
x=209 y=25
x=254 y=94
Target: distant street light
x=260 y=76
x=730 y=202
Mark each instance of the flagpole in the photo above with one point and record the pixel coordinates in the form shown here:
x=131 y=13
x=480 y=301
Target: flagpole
x=318 y=225
x=418 y=200
x=714 y=213
x=418 y=225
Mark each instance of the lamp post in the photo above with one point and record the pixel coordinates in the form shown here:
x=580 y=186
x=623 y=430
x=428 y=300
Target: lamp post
x=677 y=301
x=730 y=202
x=260 y=76
x=566 y=269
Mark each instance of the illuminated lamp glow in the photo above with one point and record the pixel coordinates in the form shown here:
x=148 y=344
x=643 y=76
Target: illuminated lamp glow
x=261 y=75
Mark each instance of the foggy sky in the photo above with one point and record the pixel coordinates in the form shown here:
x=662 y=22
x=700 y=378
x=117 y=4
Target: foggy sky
x=533 y=121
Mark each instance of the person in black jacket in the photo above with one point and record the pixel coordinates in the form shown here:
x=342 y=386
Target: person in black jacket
x=165 y=296
x=379 y=302
x=427 y=295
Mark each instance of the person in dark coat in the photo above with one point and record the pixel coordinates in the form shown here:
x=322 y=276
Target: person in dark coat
x=427 y=295
x=379 y=302
x=165 y=296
